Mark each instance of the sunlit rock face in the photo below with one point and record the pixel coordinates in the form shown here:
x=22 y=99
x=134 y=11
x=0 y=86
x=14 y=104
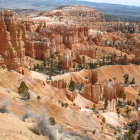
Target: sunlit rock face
x=47 y=40
x=112 y=90
x=66 y=34
x=71 y=95
x=93 y=93
x=11 y=41
x=61 y=84
x=108 y=90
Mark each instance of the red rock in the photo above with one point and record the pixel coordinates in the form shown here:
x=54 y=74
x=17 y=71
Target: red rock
x=11 y=40
x=61 y=84
x=106 y=90
x=70 y=95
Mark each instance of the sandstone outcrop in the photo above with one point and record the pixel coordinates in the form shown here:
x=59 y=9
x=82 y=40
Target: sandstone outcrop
x=112 y=90
x=70 y=95
x=84 y=51
x=93 y=77
x=93 y=93
x=19 y=40
x=61 y=84
x=11 y=40
x=106 y=90
x=96 y=92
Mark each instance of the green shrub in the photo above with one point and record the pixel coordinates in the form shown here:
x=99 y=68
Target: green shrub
x=103 y=120
x=94 y=108
x=72 y=85
x=38 y=98
x=4 y=107
x=105 y=104
x=138 y=137
x=126 y=78
x=64 y=104
x=129 y=136
x=52 y=121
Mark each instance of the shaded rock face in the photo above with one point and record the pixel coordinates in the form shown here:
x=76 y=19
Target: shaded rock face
x=11 y=41
x=93 y=77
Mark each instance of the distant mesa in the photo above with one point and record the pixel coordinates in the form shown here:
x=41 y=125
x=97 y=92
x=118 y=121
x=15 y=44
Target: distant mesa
x=74 y=12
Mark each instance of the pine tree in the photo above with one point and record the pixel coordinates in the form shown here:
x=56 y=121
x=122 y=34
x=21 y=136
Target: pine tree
x=72 y=85
x=94 y=108
x=126 y=79
x=23 y=90
x=106 y=103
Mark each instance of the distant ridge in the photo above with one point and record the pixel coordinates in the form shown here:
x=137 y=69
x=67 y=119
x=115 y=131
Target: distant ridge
x=130 y=13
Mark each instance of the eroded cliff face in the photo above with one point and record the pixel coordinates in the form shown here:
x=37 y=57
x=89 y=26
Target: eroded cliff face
x=12 y=49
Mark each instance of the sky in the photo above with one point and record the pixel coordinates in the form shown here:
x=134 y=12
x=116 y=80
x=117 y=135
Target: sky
x=124 y=2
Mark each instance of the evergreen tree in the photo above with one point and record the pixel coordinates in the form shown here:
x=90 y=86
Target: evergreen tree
x=106 y=103
x=94 y=108
x=72 y=85
x=23 y=90
x=126 y=79
x=60 y=64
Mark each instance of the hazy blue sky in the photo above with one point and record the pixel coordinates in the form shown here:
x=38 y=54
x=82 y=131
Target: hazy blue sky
x=124 y=2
